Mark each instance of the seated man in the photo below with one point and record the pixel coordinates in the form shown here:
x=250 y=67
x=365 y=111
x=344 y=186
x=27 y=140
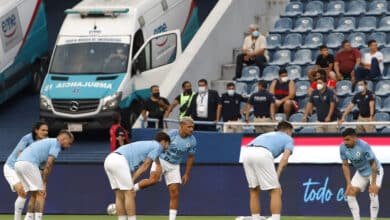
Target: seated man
x=324 y=61
x=372 y=64
x=321 y=73
x=347 y=59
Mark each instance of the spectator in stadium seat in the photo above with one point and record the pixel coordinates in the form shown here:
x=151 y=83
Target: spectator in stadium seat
x=230 y=108
x=321 y=73
x=324 y=100
x=365 y=101
x=263 y=104
x=284 y=91
x=372 y=64
x=253 y=51
x=204 y=106
x=183 y=100
x=347 y=59
x=324 y=61
x=156 y=106
x=118 y=134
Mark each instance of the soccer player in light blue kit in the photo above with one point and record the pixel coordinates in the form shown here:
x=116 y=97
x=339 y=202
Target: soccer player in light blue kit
x=260 y=170
x=39 y=131
x=126 y=164
x=182 y=142
x=27 y=167
x=368 y=170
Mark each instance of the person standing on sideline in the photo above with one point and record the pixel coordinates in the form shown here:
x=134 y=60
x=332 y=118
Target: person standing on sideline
x=39 y=132
x=118 y=134
x=368 y=170
x=183 y=100
x=126 y=164
x=27 y=167
x=260 y=170
x=155 y=107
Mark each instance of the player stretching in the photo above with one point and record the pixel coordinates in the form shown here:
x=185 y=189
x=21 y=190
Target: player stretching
x=182 y=141
x=260 y=169
x=28 y=163
x=134 y=158
x=39 y=131
x=368 y=170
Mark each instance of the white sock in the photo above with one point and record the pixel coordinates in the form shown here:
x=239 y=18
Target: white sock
x=275 y=216
x=38 y=216
x=172 y=214
x=121 y=217
x=29 y=216
x=354 y=206
x=256 y=217
x=136 y=187
x=374 y=206
x=131 y=217
x=19 y=205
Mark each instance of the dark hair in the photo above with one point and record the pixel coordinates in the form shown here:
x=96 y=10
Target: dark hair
x=262 y=83
x=348 y=132
x=184 y=83
x=322 y=78
x=370 y=42
x=284 y=125
x=282 y=70
x=364 y=81
x=37 y=126
x=116 y=118
x=153 y=86
x=203 y=81
x=162 y=136
x=64 y=131
x=230 y=84
x=344 y=42
x=323 y=47
x=322 y=72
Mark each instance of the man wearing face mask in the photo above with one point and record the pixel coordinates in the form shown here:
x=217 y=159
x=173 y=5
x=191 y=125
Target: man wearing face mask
x=253 y=51
x=155 y=107
x=230 y=108
x=204 y=106
x=183 y=100
x=365 y=101
x=284 y=91
x=324 y=100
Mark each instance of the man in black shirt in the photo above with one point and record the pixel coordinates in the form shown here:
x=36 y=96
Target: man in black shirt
x=230 y=109
x=156 y=106
x=263 y=104
x=324 y=61
x=365 y=101
x=324 y=100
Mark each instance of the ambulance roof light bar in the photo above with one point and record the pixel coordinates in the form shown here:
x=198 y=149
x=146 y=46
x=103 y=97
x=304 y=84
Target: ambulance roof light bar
x=97 y=12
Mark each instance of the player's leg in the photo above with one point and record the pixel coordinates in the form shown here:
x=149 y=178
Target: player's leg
x=20 y=201
x=30 y=209
x=254 y=202
x=276 y=203
x=173 y=200
x=120 y=204
x=130 y=204
x=39 y=204
x=374 y=197
x=359 y=183
x=173 y=180
x=249 y=163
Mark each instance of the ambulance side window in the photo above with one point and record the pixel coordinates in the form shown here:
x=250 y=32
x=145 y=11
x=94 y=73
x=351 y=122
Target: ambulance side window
x=137 y=44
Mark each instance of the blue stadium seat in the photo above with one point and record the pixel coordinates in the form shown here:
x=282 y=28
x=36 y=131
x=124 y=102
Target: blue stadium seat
x=377 y=7
x=381 y=116
x=305 y=70
x=382 y=88
x=302 y=102
x=313 y=118
x=297 y=117
x=380 y=38
x=293 y=9
x=343 y=88
x=346 y=24
x=294 y=72
x=313 y=40
x=249 y=74
x=314 y=8
x=242 y=88
x=292 y=41
x=386 y=130
x=324 y=24
x=343 y=103
x=271 y=72
x=370 y=86
x=303 y=25
x=274 y=41
x=335 y=8
x=281 y=57
x=308 y=130
x=302 y=56
x=386 y=54
x=333 y=40
x=386 y=72
x=384 y=24
x=367 y=23
x=357 y=39
x=301 y=88
x=283 y=25
x=356 y=7
x=378 y=103
x=280 y=116
x=386 y=105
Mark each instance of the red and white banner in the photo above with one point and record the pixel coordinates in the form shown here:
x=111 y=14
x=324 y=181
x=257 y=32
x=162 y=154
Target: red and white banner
x=326 y=149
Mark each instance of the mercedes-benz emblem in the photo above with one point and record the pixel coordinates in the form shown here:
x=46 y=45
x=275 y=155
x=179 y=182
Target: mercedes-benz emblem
x=74 y=106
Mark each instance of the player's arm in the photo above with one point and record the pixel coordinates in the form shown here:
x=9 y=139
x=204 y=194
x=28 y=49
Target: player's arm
x=48 y=168
x=145 y=165
x=153 y=178
x=283 y=162
x=347 y=172
x=190 y=161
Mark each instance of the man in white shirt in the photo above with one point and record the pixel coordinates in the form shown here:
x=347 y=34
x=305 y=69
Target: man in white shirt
x=372 y=64
x=253 y=51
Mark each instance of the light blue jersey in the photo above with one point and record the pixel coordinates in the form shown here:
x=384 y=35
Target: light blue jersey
x=276 y=142
x=178 y=147
x=360 y=156
x=38 y=152
x=137 y=152
x=23 y=143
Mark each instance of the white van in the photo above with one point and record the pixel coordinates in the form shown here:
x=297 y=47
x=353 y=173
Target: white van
x=107 y=55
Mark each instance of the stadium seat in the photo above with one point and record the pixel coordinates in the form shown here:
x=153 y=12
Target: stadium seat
x=242 y=88
x=314 y=8
x=386 y=105
x=293 y=9
x=283 y=25
x=356 y=7
x=292 y=41
x=271 y=72
x=280 y=116
x=249 y=74
x=333 y=40
x=302 y=102
x=305 y=70
x=324 y=24
x=386 y=130
x=367 y=23
x=281 y=57
x=386 y=54
x=313 y=118
x=303 y=24
x=381 y=116
x=382 y=88
x=343 y=103
x=294 y=72
x=343 y=88
x=297 y=117
x=308 y=130
x=346 y=24
x=335 y=8
x=357 y=39
x=302 y=56
x=301 y=88
x=377 y=7
x=380 y=38
x=386 y=72
x=370 y=86
x=378 y=103
x=274 y=41
x=313 y=40
x=384 y=24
